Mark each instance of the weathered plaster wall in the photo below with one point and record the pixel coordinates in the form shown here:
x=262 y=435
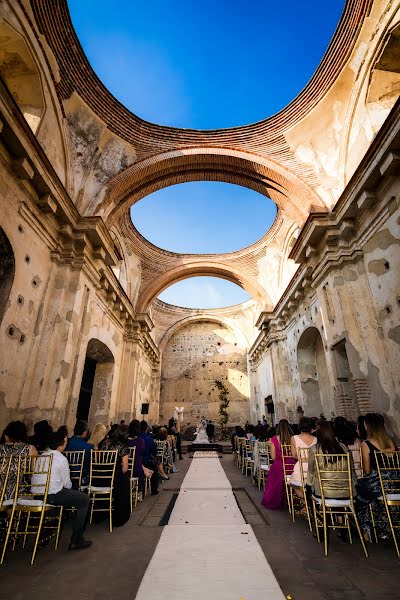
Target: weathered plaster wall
x=60 y=300
x=348 y=290
x=196 y=355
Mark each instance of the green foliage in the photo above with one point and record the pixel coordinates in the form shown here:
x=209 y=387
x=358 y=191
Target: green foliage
x=223 y=405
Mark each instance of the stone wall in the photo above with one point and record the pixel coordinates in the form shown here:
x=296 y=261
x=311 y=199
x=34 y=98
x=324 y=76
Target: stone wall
x=195 y=356
x=337 y=326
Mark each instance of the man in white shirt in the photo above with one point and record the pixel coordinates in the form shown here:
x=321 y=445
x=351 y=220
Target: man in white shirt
x=61 y=492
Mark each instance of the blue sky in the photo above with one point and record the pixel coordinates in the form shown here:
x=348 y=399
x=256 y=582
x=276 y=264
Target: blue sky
x=177 y=218
x=205 y=65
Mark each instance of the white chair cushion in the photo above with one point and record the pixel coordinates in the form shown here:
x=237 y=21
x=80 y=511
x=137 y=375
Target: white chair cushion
x=9 y=502
x=333 y=502
x=29 y=502
x=265 y=467
x=96 y=488
x=390 y=497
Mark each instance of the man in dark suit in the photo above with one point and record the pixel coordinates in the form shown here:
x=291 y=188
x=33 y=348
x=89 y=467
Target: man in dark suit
x=210 y=432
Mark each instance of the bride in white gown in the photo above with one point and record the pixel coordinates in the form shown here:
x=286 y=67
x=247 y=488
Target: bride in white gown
x=201 y=435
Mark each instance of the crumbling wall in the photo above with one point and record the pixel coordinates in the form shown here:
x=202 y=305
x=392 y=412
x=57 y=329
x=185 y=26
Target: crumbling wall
x=195 y=356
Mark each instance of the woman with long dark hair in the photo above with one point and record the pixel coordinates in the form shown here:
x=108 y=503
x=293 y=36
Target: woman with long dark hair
x=14 y=442
x=274 y=493
x=369 y=487
x=326 y=444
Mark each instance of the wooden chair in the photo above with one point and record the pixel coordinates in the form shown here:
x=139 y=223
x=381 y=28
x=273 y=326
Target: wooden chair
x=101 y=480
x=75 y=459
x=31 y=514
x=334 y=477
x=133 y=481
x=388 y=466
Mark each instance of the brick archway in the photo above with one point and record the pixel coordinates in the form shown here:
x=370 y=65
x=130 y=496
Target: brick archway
x=203 y=268
x=292 y=196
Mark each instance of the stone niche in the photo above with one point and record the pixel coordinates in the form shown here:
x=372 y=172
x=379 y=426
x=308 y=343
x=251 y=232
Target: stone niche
x=195 y=356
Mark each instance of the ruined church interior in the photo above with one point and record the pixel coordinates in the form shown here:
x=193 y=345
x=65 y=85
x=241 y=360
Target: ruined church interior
x=86 y=336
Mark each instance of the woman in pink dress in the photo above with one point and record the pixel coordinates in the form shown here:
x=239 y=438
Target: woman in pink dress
x=274 y=491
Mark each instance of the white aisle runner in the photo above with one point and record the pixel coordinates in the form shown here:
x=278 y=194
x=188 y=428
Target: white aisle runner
x=207 y=552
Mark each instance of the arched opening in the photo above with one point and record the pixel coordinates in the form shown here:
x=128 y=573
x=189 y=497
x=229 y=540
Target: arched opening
x=313 y=373
x=203 y=217
x=204 y=293
x=21 y=75
x=95 y=393
x=203 y=269
x=7 y=271
x=193 y=357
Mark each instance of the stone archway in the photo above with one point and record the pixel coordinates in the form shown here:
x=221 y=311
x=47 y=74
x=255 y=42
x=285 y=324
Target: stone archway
x=95 y=393
x=7 y=271
x=203 y=268
x=313 y=372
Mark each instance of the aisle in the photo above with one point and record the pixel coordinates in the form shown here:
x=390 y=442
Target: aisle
x=207 y=551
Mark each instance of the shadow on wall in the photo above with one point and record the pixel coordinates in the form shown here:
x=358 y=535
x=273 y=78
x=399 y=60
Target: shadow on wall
x=194 y=357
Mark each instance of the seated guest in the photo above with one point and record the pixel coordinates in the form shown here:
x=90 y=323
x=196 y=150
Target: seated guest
x=250 y=433
x=42 y=432
x=64 y=430
x=98 y=434
x=304 y=439
x=326 y=444
x=78 y=442
x=168 y=459
x=346 y=434
x=60 y=492
x=369 y=487
x=135 y=441
x=121 y=491
x=150 y=456
x=274 y=491
x=238 y=432
x=14 y=442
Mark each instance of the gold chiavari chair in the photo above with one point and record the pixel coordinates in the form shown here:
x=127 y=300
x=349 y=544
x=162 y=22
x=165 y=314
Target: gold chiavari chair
x=238 y=450
x=75 y=459
x=133 y=481
x=263 y=463
x=302 y=455
x=388 y=466
x=337 y=499
x=101 y=480
x=162 y=449
x=5 y=465
x=31 y=514
x=288 y=462
x=248 y=453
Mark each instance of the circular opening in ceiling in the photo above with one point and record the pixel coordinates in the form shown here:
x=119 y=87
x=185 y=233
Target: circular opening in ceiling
x=205 y=65
x=204 y=292
x=203 y=217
